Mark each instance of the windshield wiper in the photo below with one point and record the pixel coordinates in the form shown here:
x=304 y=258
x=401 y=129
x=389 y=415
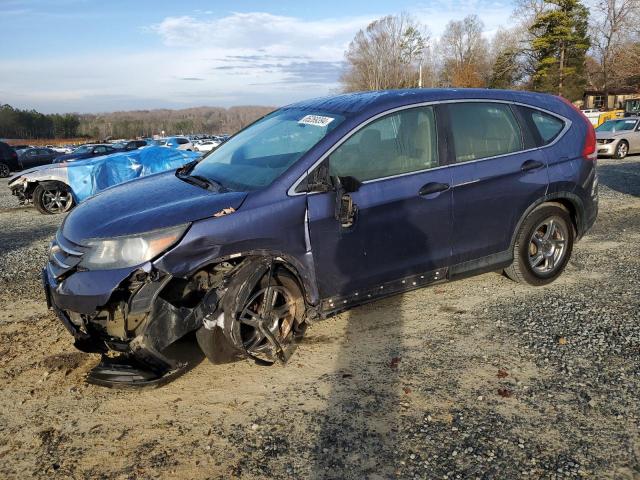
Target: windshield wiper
x=202 y=182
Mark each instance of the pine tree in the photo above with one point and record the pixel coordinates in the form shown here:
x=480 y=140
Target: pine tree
x=560 y=44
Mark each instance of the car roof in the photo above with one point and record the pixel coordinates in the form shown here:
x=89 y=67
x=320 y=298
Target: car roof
x=372 y=102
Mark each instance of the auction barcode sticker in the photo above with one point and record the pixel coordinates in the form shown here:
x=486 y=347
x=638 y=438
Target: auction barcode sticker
x=317 y=120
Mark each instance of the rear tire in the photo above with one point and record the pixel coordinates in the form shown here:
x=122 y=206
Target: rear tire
x=52 y=198
x=543 y=246
x=622 y=150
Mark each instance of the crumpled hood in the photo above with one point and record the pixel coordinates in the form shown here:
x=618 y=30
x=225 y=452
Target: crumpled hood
x=150 y=203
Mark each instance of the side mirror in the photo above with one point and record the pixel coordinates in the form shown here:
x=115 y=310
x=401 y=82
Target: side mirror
x=345 y=210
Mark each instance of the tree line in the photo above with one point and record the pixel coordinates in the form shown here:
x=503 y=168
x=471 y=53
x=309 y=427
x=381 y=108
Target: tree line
x=15 y=123
x=554 y=46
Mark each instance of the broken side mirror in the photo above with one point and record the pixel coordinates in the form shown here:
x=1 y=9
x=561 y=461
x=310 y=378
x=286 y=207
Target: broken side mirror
x=345 y=209
x=317 y=181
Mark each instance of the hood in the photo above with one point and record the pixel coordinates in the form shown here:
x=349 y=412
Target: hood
x=150 y=203
x=602 y=135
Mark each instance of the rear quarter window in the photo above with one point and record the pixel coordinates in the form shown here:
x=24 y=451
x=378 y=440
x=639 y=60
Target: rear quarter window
x=547 y=126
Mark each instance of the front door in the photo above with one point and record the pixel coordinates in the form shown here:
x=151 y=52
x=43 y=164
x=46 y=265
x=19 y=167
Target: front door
x=403 y=223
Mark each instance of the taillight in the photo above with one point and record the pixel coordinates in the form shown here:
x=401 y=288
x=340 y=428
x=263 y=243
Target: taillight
x=14 y=154
x=589 y=148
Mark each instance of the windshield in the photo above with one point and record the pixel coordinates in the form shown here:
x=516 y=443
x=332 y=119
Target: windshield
x=255 y=157
x=617 y=126
x=85 y=149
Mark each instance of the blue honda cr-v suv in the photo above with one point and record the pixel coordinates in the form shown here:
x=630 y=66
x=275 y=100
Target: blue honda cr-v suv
x=317 y=207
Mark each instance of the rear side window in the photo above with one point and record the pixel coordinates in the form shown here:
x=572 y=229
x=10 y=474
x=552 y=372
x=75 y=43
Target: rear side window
x=548 y=126
x=483 y=129
x=398 y=143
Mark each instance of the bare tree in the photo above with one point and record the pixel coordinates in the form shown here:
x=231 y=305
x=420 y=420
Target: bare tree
x=386 y=55
x=614 y=27
x=464 y=53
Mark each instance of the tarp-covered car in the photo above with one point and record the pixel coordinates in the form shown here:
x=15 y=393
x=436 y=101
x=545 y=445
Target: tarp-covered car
x=58 y=187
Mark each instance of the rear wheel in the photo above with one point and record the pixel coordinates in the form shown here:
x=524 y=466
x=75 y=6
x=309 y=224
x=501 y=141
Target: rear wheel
x=53 y=198
x=5 y=171
x=622 y=150
x=543 y=246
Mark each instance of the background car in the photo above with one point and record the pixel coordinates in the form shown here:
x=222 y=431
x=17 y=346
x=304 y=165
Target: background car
x=86 y=151
x=180 y=143
x=618 y=138
x=206 y=145
x=136 y=144
x=8 y=160
x=57 y=188
x=34 y=157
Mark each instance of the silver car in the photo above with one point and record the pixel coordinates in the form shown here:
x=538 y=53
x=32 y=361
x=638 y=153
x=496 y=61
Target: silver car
x=618 y=138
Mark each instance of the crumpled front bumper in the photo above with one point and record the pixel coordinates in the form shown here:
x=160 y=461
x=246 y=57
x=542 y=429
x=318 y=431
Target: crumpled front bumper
x=86 y=302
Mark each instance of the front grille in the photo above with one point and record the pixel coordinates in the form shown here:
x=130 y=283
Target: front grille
x=64 y=256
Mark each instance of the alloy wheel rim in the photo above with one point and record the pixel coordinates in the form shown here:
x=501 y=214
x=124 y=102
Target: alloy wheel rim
x=56 y=201
x=622 y=149
x=4 y=170
x=275 y=308
x=547 y=245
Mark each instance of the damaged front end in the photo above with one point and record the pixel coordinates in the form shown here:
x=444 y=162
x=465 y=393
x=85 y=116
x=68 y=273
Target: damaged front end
x=135 y=325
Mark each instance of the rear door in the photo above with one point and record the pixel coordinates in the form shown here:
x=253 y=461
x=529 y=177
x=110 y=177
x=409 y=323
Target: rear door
x=497 y=174
x=403 y=224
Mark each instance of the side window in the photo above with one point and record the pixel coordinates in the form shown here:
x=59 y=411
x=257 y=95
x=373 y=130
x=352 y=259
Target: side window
x=398 y=143
x=182 y=141
x=483 y=129
x=548 y=126
x=99 y=150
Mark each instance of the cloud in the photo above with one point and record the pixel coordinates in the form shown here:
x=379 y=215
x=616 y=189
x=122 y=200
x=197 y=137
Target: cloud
x=272 y=34
x=240 y=58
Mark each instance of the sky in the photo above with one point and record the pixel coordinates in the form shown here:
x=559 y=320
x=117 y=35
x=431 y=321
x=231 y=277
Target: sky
x=112 y=55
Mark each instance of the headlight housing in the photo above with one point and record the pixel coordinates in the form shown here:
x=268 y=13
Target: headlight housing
x=129 y=251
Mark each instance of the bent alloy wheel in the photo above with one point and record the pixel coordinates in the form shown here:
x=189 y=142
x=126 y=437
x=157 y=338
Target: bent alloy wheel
x=52 y=199
x=622 y=150
x=543 y=246
x=5 y=171
x=271 y=318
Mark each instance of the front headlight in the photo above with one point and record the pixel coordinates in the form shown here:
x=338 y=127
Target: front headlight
x=122 y=252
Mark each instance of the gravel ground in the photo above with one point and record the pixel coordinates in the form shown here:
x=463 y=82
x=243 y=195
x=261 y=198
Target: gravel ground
x=481 y=378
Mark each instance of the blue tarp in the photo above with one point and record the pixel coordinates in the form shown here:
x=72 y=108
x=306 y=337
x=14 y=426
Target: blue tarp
x=88 y=177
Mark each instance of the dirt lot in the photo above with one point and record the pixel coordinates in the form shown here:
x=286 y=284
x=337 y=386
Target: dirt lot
x=481 y=378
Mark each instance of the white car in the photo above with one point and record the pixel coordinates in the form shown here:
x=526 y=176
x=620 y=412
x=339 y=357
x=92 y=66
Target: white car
x=206 y=145
x=180 y=143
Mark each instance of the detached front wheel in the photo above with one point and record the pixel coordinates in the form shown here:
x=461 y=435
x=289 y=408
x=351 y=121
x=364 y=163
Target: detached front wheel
x=543 y=246
x=53 y=198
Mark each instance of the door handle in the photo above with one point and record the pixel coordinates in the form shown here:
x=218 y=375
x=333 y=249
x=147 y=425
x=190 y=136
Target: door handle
x=433 y=187
x=531 y=165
